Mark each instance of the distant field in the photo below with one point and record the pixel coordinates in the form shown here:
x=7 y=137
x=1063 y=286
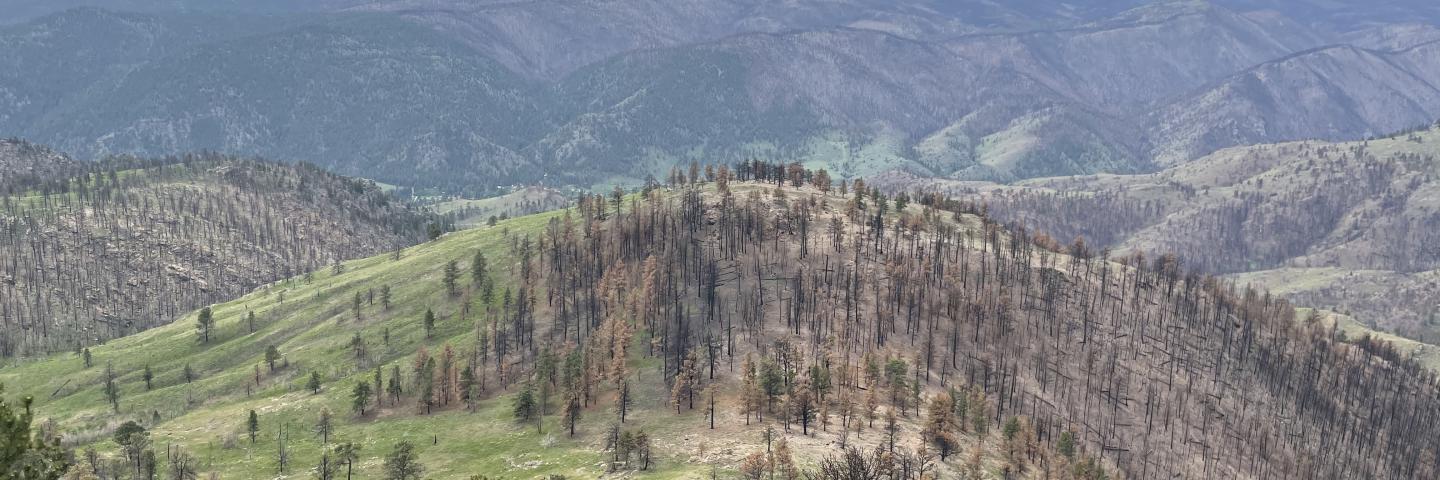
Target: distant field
x=521 y=202
x=1428 y=355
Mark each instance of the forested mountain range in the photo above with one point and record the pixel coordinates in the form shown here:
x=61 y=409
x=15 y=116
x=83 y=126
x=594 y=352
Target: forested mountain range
x=468 y=96
x=95 y=251
x=742 y=324
x=1352 y=226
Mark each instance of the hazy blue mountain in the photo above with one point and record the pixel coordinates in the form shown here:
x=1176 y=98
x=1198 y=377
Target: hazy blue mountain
x=1345 y=15
x=360 y=93
x=471 y=95
x=548 y=39
x=1331 y=93
x=16 y=11
x=70 y=55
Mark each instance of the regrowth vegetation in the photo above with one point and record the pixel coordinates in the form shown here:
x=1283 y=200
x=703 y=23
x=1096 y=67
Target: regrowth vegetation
x=773 y=306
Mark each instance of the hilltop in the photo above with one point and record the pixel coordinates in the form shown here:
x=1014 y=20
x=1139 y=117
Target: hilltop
x=24 y=165
x=801 y=307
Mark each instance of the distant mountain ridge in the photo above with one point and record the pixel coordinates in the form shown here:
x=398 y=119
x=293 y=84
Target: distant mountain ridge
x=1329 y=93
x=468 y=97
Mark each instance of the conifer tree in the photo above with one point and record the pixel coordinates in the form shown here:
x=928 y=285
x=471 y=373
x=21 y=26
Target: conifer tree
x=203 y=323
x=939 y=427
x=524 y=407
x=429 y=324
x=802 y=405
x=573 y=409
x=1066 y=445
x=324 y=426
x=394 y=388
x=403 y=463
x=360 y=397
x=23 y=454
x=451 y=277
x=272 y=355
x=133 y=440
x=347 y=454
x=642 y=449
x=469 y=387
x=252 y=426
x=479 y=270
x=355 y=304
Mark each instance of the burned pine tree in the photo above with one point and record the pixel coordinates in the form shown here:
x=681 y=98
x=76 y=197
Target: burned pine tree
x=1157 y=371
x=97 y=251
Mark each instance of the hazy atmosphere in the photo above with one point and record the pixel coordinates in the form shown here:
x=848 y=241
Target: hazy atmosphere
x=694 y=239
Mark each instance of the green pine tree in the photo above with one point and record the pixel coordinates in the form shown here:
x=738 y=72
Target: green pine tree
x=360 y=397
x=22 y=455
x=252 y=426
x=403 y=463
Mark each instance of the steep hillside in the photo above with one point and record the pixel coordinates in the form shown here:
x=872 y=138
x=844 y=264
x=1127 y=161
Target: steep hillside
x=23 y=165
x=751 y=327
x=1349 y=90
x=128 y=244
x=1346 y=225
x=1394 y=37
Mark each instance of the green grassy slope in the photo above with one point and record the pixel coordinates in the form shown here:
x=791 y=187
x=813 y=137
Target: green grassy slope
x=312 y=328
